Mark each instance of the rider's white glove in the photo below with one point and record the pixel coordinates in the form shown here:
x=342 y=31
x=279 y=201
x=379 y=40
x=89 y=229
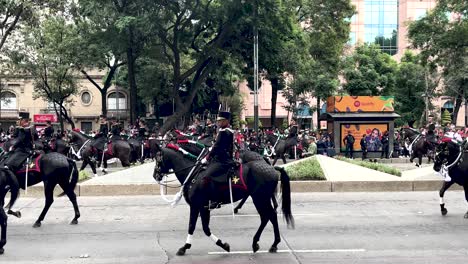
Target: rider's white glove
x=204 y=161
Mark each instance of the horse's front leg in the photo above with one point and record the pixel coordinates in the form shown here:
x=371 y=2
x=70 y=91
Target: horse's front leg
x=194 y=212
x=205 y=217
x=3 y=222
x=444 y=188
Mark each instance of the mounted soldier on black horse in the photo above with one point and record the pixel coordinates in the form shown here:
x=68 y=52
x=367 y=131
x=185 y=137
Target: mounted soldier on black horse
x=418 y=143
x=223 y=181
x=24 y=166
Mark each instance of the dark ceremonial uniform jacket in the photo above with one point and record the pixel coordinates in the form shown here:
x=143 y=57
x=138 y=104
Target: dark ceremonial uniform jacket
x=223 y=148
x=116 y=129
x=363 y=144
x=103 y=130
x=48 y=132
x=26 y=136
x=293 y=132
x=142 y=133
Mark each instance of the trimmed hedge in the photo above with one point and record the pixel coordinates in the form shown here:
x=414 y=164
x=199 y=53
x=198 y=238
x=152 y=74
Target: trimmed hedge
x=307 y=170
x=372 y=165
x=83 y=176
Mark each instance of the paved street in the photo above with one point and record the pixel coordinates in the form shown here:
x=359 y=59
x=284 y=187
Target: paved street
x=330 y=228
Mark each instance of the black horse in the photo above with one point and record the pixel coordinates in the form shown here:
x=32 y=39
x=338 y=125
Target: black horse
x=257 y=179
x=420 y=144
x=454 y=159
x=119 y=149
x=52 y=169
x=8 y=183
x=281 y=146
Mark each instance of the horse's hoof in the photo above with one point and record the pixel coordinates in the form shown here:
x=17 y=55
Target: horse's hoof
x=17 y=214
x=2 y=251
x=236 y=210
x=37 y=224
x=444 y=211
x=226 y=247
x=466 y=215
x=255 y=247
x=74 y=222
x=273 y=249
x=181 y=251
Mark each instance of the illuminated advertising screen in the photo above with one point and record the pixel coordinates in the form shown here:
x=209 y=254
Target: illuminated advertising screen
x=372 y=132
x=360 y=104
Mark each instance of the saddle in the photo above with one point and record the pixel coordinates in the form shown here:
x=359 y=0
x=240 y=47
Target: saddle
x=108 y=149
x=32 y=166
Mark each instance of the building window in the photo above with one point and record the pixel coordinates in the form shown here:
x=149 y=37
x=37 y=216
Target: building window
x=8 y=101
x=86 y=98
x=87 y=127
x=381 y=24
x=115 y=102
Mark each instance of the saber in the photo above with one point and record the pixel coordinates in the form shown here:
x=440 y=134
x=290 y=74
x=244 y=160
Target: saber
x=26 y=178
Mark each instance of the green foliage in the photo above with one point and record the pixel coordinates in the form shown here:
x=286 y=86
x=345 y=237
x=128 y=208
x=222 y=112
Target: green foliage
x=308 y=169
x=409 y=88
x=441 y=38
x=285 y=124
x=369 y=71
x=48 y=54
x=446 y=119
x=83 y=176
x=373 y=166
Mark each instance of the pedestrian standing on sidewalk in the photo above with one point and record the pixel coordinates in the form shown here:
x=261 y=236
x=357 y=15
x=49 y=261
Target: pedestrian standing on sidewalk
x=349 y=143
x=364 y=147
x=385 y=146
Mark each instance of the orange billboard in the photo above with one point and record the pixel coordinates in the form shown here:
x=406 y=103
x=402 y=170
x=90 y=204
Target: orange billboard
x=360 y=104
x=372 y=132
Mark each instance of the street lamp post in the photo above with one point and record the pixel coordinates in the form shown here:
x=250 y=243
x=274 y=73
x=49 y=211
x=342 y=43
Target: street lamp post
x=255 y=70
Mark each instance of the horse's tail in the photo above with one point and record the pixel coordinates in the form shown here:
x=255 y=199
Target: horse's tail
x=74 y=176
x=286 y=196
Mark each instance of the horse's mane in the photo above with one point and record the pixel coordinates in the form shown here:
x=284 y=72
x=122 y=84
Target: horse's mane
x=81 y=134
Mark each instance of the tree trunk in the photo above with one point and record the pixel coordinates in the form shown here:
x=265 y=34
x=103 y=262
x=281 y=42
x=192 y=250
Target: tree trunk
x=456 y=108
x=104 y=101
x=274 y=96
x=131 y=76
x=318 y=112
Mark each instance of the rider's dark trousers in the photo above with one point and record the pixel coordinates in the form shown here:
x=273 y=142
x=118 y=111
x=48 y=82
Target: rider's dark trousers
x=216 y=169
x=385 y=151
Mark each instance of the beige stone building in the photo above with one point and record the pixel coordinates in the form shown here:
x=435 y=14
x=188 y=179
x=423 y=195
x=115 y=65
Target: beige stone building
x=18 y=95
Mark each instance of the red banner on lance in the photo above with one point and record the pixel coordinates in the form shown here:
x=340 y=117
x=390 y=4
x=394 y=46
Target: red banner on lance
x=42 y=118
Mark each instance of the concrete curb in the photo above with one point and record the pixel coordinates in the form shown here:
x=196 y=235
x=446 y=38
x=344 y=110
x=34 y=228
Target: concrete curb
x=296 y=186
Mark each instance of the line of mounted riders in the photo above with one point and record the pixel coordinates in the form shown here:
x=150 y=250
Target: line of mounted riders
x=92 y=150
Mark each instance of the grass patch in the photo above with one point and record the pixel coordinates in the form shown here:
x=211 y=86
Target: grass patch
x=306 y=171
x=371 y=165
x=83 y=176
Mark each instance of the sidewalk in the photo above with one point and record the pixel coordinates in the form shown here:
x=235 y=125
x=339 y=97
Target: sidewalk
x=341 y=177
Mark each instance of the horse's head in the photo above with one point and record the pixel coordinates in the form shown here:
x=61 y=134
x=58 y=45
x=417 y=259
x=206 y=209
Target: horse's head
x=162 y=166
x=442 y=155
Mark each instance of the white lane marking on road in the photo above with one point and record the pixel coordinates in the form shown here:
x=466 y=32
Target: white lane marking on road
x=256 y=215
x=290 y=251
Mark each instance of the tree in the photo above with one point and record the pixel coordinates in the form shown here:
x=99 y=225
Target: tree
x=47 y=54
x=410 y=85
x=327 y=26
x=102 y=43
x=196 y=36
x=441 y=38
x=369 y=71
x=446 y=118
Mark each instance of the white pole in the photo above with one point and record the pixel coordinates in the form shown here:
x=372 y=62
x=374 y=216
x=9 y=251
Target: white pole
x=230 y=194
x=26 y=177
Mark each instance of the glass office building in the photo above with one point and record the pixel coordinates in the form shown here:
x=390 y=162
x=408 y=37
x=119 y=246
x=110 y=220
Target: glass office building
x=384 y=22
